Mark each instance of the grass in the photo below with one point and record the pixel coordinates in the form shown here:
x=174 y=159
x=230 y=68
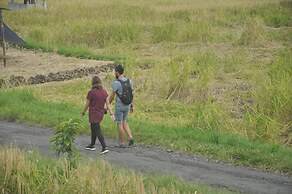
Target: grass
x=28 y=172
x=105 y=23
x=219 y=72
x=28 y=108
x=79 y=52
x=21 y=105
x=233 y=149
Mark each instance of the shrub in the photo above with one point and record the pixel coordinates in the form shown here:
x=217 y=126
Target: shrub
x=63 y=140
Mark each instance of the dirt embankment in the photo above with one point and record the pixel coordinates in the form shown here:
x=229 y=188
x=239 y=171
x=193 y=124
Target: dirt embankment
x=14 y=81
x=26 y=67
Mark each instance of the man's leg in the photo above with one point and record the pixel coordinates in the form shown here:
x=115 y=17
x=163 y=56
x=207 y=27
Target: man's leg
x=121 y=133
x=119 y=121
x=127 y=129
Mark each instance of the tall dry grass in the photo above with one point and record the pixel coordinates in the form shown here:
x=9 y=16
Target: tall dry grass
x=23 y=172
x=103 y=23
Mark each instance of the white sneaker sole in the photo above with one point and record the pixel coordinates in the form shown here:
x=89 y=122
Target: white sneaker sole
x=91 y=149
x=104 y=152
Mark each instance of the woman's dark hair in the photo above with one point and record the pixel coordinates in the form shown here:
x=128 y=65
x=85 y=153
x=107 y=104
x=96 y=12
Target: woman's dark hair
x=96 y=82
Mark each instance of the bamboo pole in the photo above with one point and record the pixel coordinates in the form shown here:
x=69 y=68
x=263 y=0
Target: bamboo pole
x=3 y=40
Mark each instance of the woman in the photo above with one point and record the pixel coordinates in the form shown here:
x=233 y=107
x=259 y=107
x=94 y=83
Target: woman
x=95 y=100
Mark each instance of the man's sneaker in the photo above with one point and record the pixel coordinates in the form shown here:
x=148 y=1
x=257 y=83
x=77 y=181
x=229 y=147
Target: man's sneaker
x=120 y=146
x=90 y=147
x=104 y=151
x=131 y=142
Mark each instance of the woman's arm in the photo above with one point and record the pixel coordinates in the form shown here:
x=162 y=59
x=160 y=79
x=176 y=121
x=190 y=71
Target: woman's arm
x=85 y=107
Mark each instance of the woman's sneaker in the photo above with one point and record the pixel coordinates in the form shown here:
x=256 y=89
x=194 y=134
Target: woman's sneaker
x=104 y=151
x=90 y=147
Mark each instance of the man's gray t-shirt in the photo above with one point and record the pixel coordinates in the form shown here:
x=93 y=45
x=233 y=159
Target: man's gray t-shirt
x=117 y=87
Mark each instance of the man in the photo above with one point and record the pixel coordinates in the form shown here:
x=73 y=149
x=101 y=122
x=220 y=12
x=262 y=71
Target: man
x=121 y=109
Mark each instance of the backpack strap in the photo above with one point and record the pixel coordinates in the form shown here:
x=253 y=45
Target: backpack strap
x=128 y=81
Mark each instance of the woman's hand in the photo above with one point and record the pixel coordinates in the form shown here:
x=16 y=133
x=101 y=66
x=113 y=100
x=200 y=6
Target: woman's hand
x=113 y=117
x=85 y=107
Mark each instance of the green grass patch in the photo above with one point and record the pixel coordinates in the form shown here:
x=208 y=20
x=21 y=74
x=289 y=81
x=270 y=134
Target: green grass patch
x=83 y=52
x=228 y=148
x=25 y=107
x=275 y=15
x=86 y=53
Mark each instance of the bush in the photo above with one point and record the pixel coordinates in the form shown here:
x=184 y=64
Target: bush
x=63 y=140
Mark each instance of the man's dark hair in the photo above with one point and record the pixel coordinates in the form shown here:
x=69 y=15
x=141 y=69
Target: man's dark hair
x=119 y=69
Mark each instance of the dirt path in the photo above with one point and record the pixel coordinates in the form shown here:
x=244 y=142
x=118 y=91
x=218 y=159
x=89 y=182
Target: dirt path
x=193 y=169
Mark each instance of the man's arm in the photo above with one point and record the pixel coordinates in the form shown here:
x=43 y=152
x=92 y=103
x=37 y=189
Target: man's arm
x=108 y=106
x=111 y=97
x=114 y=90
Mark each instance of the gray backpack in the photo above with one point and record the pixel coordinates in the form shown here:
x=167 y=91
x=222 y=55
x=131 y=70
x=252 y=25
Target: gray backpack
x=127 y=93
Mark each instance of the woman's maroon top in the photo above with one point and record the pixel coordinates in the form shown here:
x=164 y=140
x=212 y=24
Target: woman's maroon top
x=97 y=98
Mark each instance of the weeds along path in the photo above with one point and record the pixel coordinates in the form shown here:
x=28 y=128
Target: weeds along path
x=149 y=159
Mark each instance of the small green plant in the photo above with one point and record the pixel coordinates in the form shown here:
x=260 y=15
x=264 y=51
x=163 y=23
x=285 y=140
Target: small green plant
x=63 y=140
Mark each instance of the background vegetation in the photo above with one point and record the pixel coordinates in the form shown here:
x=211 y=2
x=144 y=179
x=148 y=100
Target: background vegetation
x=222 y=66
x=215 y=76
